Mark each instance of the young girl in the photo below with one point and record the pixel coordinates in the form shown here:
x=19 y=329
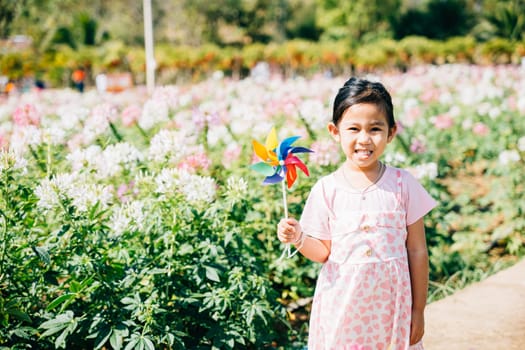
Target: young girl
x=364 y=222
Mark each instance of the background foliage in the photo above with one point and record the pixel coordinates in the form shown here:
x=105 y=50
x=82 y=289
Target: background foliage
x=196 y=38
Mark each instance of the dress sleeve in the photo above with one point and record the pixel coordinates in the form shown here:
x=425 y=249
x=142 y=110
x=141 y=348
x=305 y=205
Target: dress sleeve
x=418 y=201
x=315 y=219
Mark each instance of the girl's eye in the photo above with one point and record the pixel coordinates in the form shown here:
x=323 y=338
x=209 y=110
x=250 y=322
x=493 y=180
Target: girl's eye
x=353 y=129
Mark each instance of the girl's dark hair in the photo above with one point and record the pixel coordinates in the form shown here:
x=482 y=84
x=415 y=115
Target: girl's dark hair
x=356 y=91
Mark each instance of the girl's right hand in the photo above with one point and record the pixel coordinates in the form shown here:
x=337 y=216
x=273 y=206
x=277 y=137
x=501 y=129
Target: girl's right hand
x=288 y=230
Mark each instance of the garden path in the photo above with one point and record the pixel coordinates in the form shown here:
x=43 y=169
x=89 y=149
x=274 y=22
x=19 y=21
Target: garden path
x=485 y=315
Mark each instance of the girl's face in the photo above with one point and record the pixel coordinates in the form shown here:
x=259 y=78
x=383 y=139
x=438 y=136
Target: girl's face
x=363 y=134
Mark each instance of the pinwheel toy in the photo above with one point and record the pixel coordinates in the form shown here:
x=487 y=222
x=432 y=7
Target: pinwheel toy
x=279 y=164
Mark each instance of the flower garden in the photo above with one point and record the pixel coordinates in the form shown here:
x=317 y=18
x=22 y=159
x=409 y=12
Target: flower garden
x=130 y=221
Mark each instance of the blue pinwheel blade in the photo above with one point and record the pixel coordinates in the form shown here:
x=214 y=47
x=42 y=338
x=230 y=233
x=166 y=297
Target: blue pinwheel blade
x=273 y=179
x=301 y=150
x=284 y=146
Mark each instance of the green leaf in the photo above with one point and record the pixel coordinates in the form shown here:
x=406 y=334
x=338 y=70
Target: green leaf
x=148 y=344
x=42 y=254
x=75 y=287
x=184 y=249
x=102 y=337
x=117 y=335
x=59 y=300
x=212 y=274
x=58 y=320
x=19 y=315
x=25 y=332
x=135 y=338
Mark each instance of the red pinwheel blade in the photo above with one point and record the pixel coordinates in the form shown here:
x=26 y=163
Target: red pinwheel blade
x=291 y=175
x=294 y=161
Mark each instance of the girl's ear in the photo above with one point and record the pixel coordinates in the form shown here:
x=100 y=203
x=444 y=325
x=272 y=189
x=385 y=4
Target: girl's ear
x=392 y=132
x=334 y=131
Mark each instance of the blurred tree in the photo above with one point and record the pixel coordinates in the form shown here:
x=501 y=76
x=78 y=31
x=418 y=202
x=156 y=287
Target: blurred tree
x=8 y=13
x=356 y=20
x=437 y=19
x=505 y=19
x=301 y=20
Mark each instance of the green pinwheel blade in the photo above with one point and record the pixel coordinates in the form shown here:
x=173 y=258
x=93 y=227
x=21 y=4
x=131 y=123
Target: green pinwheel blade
x=263 y=168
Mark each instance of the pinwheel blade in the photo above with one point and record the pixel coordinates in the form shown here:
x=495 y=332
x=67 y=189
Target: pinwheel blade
x=301 y=150
x=271 y=140
x=265 y=154
x=275 y=178
x=292 y=160
x=260 y=150
x=284 y=147
x=263 y=168
x=291 y=175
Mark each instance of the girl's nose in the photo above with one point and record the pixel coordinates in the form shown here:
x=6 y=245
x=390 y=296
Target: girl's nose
x=363 y=137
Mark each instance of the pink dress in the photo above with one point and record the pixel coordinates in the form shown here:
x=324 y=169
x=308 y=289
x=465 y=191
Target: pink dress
x=363 y=294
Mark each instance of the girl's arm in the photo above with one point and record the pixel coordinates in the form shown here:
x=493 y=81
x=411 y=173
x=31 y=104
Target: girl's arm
x=289 y=231
x=418 y=265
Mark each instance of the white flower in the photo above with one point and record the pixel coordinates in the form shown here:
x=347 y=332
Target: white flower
x=95 y=125
x=236 y=185
x=155 y=111
x=427 y=170
x=508 y=156
x=166 y=181
x=25 y=136
x=521 y=144
x=494 y=112
x=54 y=135
x=395 y=158
x=130 y=216
x=71 y=115
x=85 y=159
x=168 y=145
x=11 y=160
x=85 y=196
x=467 y=124
x=51 y=192
x=197 y=188
x=115 y=158
x=314 y=113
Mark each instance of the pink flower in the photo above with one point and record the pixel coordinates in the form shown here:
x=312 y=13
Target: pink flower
x=231 y=154
x=105 y=110
x=130 y=115
x=443 y=121
x=412 y=115
x=400 y=127
x=429 y=95
x=325 y=152
x=26 y=115
x=194 y=162
x=126 y=191
x=480 y=129
x=418 y=146
x=3 y=142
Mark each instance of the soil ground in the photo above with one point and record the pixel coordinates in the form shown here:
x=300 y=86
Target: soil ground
x=485 y=315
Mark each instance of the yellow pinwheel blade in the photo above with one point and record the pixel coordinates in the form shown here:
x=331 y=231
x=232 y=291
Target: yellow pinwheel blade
x=260 y=150
x=271 y=140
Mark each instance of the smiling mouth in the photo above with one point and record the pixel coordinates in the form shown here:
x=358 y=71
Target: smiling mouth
x=363 y=152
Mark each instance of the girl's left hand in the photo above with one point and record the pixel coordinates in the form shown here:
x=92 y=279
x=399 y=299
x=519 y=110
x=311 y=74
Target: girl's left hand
x=417 y=327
